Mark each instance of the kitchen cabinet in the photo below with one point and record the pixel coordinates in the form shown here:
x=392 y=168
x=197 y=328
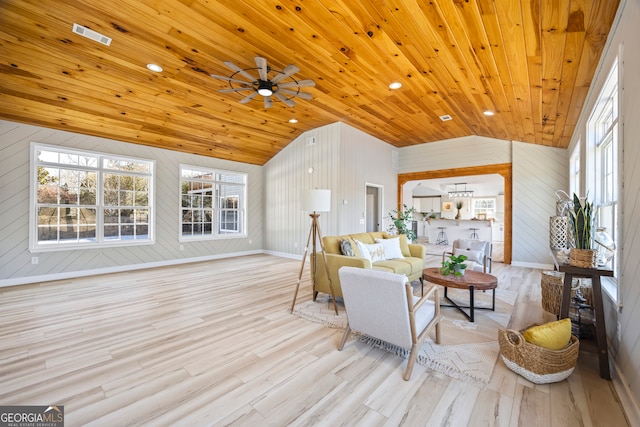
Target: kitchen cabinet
x=497 y=232
x=426 y=204
x=484 y=207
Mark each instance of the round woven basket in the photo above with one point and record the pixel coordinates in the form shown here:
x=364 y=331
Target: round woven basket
x=551 y=285
x=537 y=364
x=585 y=258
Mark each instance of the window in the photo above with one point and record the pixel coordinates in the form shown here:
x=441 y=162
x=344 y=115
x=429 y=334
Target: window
x=575 y=170
x=212 y=203
x=602 y=129
x=85 y=199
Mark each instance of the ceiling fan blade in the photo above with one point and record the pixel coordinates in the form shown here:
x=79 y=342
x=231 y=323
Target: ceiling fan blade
x=261 y=63
x=301 y=83
x=302 y=95
x=285 y=100
x=288 y=70
x=248 y=98
x=267 y=102
x=239 y=70
x=215 y=76
x=236 y=89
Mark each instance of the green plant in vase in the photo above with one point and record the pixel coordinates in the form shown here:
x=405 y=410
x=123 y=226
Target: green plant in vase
x=459 y=205
x=455 y=265
x=581 y=220
x=401 y=222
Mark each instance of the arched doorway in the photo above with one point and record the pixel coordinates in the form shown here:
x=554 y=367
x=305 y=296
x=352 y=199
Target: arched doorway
x=503 y=169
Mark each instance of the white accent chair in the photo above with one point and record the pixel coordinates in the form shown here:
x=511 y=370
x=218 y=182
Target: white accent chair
x=381 y=305
x=478 y=253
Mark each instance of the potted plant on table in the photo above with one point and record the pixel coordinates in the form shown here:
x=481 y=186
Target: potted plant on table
x=581 y=219
x=455 y=265
x=401 y=222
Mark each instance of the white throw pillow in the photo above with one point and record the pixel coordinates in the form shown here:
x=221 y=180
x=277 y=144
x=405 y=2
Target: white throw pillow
x=475 y=256
x=373 y=252
x=364 y=252
x=391 y=248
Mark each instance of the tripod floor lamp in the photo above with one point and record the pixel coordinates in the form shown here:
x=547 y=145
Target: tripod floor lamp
x=315 y=201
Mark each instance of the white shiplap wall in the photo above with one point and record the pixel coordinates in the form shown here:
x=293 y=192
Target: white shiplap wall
x=15 y=258
x=454 y=153
x=538 y=171
x=343 y=160
x=623 y=332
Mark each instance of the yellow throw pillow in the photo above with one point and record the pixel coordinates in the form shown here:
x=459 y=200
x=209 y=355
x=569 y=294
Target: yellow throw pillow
x=553 y=335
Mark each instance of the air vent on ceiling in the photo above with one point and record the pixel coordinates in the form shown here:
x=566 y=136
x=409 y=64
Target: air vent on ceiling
x=446 y=118
x=90 y=34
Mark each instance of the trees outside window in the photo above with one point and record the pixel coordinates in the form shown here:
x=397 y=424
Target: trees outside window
x=212 y=203
x=87 y=199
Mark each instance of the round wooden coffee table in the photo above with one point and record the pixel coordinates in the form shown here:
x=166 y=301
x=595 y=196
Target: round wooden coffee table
x=472 y=280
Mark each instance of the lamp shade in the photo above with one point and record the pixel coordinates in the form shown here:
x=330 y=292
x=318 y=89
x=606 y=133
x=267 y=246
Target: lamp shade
x=316 y=200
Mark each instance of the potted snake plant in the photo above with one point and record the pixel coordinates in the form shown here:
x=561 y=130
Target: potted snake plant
x=581 y=219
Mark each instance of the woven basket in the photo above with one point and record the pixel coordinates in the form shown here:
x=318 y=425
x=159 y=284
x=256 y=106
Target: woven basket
x=551 y=285
x=537 y=364
x=585 y=258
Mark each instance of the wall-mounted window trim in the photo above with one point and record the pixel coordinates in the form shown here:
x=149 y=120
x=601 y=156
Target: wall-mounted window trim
x=604 y=171
x=212 y=204
x=83 y=199
x=575 y=170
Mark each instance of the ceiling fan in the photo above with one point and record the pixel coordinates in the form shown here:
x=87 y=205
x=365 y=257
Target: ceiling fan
x=282 y=85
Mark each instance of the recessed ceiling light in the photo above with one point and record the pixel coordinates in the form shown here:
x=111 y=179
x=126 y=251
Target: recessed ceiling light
x=488 y=113
x=446 y=118
x=155 y=68
x=395 y=85
x=293 y=120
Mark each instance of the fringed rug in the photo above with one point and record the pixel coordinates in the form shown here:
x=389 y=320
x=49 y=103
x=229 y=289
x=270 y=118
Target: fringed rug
x=468 y=351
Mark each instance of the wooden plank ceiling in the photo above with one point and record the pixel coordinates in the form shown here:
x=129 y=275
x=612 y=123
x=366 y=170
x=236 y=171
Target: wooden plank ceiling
x=529 y=61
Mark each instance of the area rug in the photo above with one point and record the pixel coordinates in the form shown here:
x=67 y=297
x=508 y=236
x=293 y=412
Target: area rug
x=468 y=351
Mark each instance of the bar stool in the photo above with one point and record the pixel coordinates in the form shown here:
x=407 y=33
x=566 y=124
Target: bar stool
x=442 y=236
x=474 y=234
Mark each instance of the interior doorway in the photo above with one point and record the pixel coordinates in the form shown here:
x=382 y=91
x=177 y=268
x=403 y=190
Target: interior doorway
x=373 y=208
x=503 y=169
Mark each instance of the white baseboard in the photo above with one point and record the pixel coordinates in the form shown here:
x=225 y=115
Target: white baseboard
x=118 y=269
x=284 y=255
x=629 y=402
x=532 y=265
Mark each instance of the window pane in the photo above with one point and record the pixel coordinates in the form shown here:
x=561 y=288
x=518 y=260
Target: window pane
x=67 y=197
x=215 y=199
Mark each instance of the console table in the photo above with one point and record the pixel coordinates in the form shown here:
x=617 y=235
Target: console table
x=601 y=331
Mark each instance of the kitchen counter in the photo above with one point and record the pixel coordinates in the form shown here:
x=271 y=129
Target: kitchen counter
x=460 y=229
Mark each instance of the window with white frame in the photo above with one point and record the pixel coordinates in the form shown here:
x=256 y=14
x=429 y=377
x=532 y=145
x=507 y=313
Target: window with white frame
x=602 y=129
x=575 y=170
x=212 y=203
x=87 y=199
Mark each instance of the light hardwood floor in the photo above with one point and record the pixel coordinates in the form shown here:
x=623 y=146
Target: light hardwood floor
x=213 y=343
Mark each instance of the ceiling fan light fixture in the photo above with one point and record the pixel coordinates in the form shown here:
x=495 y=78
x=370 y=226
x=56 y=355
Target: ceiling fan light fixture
x=282 y=87
x=265 y=88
